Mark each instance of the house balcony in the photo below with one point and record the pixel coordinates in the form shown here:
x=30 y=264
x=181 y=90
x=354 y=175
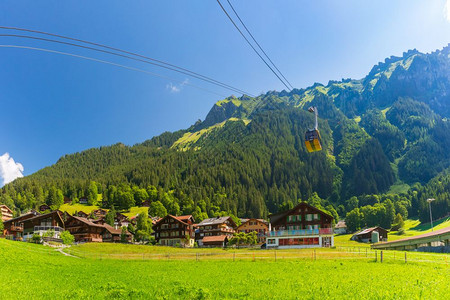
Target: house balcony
x=301 y=232
x=17 y=228
x=47 y=228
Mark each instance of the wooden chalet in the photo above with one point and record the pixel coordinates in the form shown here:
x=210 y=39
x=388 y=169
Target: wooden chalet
x=13 y=228
x=7 y=213
x=121 y=220
x=218 y=226
x=67 y=200
x=84 y=230
x=172 y=230
x=303 y=226
x=99 y=213
x=215 y=241
x=365 y=235
x=340 y=227
x=260 y=226
x=40 y=224
x=83 y=200
x=114 y=235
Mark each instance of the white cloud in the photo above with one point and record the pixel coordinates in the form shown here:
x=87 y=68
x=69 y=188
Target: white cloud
x=447 y=10
x=176 y=88
x=9 y=169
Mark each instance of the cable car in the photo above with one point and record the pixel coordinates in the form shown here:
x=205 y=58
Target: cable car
x=312 y=136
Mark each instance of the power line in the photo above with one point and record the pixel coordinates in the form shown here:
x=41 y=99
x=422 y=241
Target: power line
x=229 y=17
x=109 y=63
x=240 y=20
x=120 y=55
x=157 y=62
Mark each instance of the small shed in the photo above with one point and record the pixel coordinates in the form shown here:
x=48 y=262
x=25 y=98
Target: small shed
x=340 y=228
x=365 y=235
x=215 y=241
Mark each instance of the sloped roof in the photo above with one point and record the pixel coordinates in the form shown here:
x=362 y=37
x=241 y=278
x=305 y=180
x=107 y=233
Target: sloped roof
x=216 y=220
x=217 y=238
x=183 y=218
x=87 y=221
x=274 y=218
x=341 y=224
x=112 y=230
x=260 y=220
x=34 y=213
x=4 y=206
x=418 y=237
x=57 y=212
x=369 y=230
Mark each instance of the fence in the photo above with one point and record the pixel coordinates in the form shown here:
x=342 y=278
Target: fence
x=340 y=253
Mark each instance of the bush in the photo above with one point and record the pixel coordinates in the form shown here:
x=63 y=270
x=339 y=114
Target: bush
x=36 y=238
x=67 y=238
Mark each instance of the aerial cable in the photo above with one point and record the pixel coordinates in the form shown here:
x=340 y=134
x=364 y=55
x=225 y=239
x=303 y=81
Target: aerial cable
x=240 y=20
x=125 y=56
x=229 y=17
x=109 y=63
x=206 y=78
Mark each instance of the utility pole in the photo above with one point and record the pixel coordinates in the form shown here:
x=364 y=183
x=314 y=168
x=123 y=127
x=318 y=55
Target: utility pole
x=429 y=200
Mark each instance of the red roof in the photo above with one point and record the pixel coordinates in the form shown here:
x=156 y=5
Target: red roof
x=183 y=218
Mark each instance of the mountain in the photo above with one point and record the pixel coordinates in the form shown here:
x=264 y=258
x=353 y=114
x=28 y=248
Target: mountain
x=386 y=135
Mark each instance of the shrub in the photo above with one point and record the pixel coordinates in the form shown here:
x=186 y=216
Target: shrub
x=67 y=238
x=36 y=238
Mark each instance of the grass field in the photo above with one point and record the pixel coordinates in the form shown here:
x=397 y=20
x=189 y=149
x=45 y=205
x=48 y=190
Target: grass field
x=71 y=208
x=36 y=272
x=412 y=228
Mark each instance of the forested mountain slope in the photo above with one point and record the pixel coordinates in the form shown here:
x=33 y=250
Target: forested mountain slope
x=248 y=156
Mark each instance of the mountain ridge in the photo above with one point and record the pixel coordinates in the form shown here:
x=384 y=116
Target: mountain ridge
x=248 y=158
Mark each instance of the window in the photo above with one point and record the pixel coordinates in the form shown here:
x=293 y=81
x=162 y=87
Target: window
x=271 y=241
x=309 y=217
x=316 y=217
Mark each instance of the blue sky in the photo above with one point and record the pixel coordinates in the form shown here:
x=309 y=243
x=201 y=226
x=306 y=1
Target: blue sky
x=53 y=105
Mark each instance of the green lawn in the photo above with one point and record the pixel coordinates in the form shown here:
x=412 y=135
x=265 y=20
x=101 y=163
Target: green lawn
x=136 y=210
x=412 y=228
x=35 y=272
x=71 y=208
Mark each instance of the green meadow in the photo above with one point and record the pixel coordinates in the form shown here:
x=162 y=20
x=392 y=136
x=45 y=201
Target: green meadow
x=30 y=271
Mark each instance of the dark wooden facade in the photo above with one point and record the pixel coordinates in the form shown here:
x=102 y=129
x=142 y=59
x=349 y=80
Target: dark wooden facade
x=49 y=222
x=215 y=227
x=13 y=228
x=260 y=226
x=114 y=235
x=84 y=230
x=172 y=230
x=302 y=216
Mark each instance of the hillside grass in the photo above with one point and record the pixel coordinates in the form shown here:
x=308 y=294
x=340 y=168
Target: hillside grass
x=412 y=228
x=37 y=272
x=71 y=208
x=136 y=210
